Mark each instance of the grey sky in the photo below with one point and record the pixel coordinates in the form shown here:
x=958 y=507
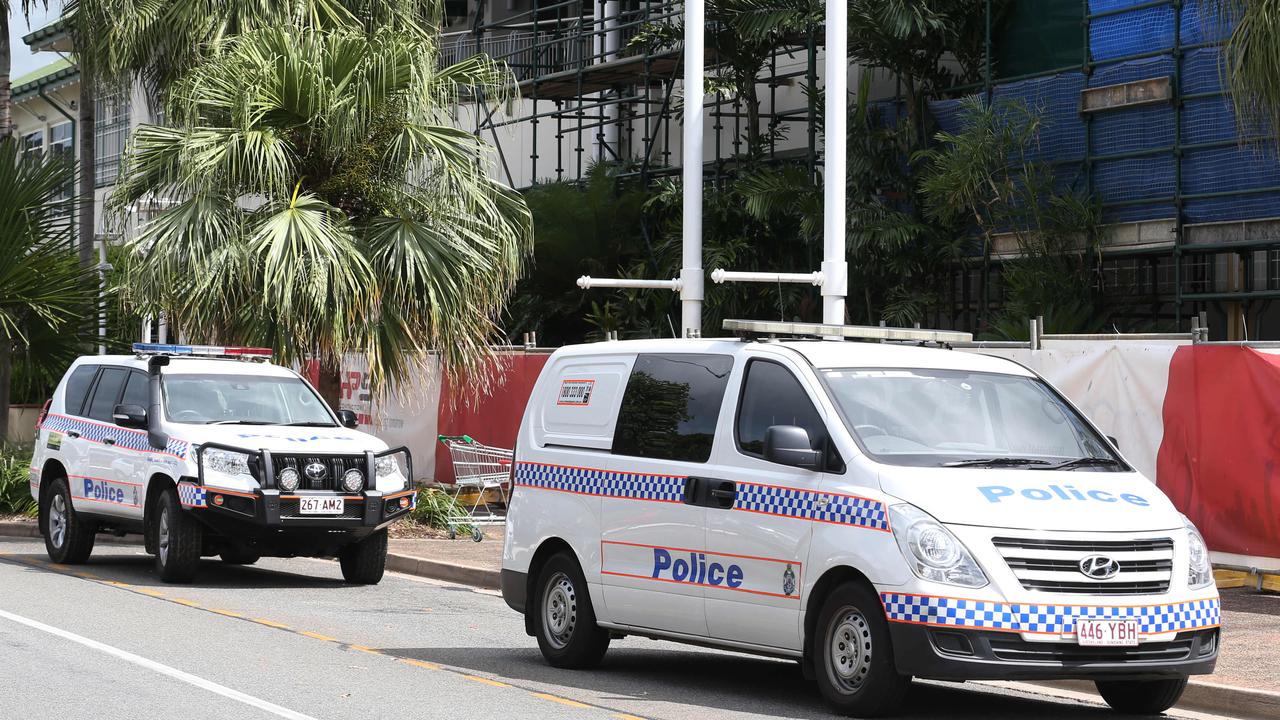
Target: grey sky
x=23 y=59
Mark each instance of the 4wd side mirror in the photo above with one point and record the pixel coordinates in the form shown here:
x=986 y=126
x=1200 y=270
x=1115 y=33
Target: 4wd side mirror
x=130 y=416
x=348 y=419
x=1114 y=443
x=789 y=445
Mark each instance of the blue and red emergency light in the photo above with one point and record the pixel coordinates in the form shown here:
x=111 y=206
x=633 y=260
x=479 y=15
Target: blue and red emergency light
x=214 y=351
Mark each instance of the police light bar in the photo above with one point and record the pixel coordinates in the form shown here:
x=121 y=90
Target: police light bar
x=852 y=332
x=213 y=351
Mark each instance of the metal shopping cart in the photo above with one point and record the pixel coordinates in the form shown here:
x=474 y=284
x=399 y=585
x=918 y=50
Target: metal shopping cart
x=479 y=469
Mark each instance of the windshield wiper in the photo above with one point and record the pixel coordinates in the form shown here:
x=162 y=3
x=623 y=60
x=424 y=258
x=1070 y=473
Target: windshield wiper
x=238 y=422
x=996 y=462
x=310 y=423
x=1085 y=462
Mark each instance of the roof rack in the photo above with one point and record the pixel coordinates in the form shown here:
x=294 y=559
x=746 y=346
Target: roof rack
x=203 y=351
x=849 y=332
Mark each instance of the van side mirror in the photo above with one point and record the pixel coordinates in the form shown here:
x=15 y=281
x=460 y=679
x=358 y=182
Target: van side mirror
x=789 y=445
x=348 y=419
x=130 y=416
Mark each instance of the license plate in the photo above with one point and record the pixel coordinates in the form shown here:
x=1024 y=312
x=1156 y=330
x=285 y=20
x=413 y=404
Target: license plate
x=320 y=506
x=1107 y=632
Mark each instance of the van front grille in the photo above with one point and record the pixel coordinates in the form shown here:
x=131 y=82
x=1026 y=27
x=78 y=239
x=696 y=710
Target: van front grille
x=1052 y=565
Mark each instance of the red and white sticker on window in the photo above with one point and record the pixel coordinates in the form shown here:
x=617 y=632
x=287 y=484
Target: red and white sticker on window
x=575 y=392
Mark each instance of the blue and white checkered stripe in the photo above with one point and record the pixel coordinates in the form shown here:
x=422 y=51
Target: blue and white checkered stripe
x=123 y=437
x=809 y=505
x=1050 y=619
x=191 y=495
x=589 y=481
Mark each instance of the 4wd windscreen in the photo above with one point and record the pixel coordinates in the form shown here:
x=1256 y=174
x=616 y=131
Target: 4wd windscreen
x=243 y=400
x=932 y=418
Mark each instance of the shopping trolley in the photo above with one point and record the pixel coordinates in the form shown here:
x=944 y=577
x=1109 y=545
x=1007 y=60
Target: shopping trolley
x=477 y=468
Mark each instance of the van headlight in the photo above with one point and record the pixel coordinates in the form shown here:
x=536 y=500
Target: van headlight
x=226 y=462
x=1199 y=568
x=931 y=550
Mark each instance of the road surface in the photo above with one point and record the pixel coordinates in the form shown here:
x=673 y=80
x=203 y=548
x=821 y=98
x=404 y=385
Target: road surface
x=286 y=639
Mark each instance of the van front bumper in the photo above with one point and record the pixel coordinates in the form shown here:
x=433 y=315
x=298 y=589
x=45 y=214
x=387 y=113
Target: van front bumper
x=945 y=653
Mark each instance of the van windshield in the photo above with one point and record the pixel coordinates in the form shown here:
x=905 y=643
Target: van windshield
x=947 y=418
x=242 y=400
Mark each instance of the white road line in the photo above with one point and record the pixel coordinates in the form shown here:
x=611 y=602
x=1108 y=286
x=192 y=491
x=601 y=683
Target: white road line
x=174 y=673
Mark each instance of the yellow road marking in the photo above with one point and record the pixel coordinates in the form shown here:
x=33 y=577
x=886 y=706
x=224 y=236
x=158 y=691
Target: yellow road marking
x=317 y=636
x=228 y=613
x=624 y=716
x=270 y=623
x=562 y=701
x=420 y=663
x=363 y=649
x=486 y=681
x=184 y=601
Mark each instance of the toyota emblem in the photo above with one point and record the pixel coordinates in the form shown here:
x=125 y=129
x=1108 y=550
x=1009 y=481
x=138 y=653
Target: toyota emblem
x=315 y=471
x=1099 y=567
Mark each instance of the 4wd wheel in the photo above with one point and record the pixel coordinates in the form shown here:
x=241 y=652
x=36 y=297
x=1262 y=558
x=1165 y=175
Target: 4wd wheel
x=364 y=562
x=853 y=655
x=1141 y=697
x=239 y=557
x=68 y=538
x=179 y=538
x=563 y=620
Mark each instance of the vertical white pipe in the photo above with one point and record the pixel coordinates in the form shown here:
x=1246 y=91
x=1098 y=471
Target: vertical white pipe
x=691 y=159
x=163 y=332
x=146 y=330
x=836 y=71
x=612 y=44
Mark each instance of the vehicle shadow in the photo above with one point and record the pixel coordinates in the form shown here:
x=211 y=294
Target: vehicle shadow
x=139 y=569
x=737 y=683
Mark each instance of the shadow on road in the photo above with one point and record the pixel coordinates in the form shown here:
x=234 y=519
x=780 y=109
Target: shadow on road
x=738 y=683
x=136 y=569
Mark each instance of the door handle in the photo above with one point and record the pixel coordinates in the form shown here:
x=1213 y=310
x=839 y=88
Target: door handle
x=73 y=434
x=108 y=440
x=691 y=490
x=723 y=495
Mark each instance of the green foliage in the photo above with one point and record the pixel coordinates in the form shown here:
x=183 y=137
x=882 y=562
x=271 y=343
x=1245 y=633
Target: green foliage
x=15 y=490
x=434 y=509
x=323 y=201
x=1250 y=60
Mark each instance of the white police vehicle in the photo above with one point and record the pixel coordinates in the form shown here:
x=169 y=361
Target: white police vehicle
x=212 y=451
x=876 y=511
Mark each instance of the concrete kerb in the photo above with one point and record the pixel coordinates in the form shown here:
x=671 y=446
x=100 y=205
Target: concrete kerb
x=1199 y=696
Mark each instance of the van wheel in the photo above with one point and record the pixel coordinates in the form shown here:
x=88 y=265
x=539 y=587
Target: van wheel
x=563 y=620
x=179 y=539
x=68 y=538
x=364 y=562
x=1141 y=697
x=853 y=656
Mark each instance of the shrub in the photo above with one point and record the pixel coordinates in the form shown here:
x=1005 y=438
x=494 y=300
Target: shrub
x=434 y=509
x=15 y=494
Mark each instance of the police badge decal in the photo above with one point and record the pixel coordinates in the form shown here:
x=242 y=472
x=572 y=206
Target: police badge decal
x=788 y=581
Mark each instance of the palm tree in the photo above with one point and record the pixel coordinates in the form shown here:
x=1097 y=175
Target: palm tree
x=322 y=201
x=42 y=288
x=1251 y=59
x=6 y=62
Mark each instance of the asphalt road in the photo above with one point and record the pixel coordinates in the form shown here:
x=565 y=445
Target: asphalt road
x=286 y=638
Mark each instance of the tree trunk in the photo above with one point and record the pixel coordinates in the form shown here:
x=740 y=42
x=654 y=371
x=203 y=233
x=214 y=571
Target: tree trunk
x=330 y=386
x=88 y=168
x=6 y=90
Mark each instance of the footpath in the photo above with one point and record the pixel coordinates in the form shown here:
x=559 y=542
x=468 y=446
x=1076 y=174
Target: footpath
x=1245 y=683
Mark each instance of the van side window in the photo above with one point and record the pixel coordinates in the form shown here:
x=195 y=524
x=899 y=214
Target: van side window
x=78 y=388
x=771 y=395
x=106 y=392
x=670 y=407
x=137 y=390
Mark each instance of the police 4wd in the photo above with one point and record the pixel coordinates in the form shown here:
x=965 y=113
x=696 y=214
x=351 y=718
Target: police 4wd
x=876 y=511
x=212 y=451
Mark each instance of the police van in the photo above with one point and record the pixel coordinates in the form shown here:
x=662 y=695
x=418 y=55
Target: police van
x=877 y=511
x=212 y=451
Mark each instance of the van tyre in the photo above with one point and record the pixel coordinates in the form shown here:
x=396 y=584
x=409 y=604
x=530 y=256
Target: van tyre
x=364 y=562
x=853 y=655
x=179 y=540
x=1141 y=697
x=563 y=620
x=68 y=537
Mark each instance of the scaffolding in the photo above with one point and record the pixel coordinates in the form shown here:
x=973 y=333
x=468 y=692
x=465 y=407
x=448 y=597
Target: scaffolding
x=1140 y=122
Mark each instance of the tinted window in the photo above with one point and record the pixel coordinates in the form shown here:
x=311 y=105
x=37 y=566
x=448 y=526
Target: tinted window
x=670 y=408
x=78 y=388
x=771 y=395
x=135 y=391
x=106 y=393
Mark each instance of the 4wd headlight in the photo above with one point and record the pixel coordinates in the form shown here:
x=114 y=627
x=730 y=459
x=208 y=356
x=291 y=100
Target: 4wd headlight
x=1199 y=568
x=352 y=480
x=226 y=462
x=391 y=467
x=931 y=550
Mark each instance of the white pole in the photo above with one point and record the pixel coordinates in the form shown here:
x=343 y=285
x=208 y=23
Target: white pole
x=836 y=72
x=691 y=157
x=163 y=336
